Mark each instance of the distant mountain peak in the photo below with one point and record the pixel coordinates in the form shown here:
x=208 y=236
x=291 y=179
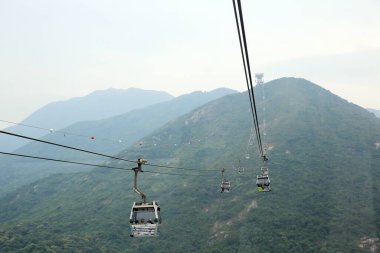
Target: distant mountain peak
x=97 y=105
x=131 y=91
x=216 y=93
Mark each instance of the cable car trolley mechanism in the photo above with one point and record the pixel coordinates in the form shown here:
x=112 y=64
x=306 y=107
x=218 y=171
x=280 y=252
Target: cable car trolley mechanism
x=145 y=216
x=264 y=171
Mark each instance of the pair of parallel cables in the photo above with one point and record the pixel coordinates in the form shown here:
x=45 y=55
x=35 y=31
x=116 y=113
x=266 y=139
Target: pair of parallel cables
x=98 y=154
x=247 y=71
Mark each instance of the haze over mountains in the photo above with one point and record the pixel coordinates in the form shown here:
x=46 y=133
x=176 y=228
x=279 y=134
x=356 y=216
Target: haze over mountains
x=97 y=105
x=127 y=128
x=351 y=75
x=324 y=167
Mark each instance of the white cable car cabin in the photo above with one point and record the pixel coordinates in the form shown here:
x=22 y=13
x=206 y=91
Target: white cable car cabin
x=144 y=219
x=263 y=183
x=225 y=186
x=240 y=170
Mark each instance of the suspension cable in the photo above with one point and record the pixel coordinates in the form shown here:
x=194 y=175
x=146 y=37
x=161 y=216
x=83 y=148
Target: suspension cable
x=65 y=146
x=245 y=67
x=99 y=154
x=52 y=130
x=247 y=70
x=94 y=165
x=264 y=118
x=250 y=76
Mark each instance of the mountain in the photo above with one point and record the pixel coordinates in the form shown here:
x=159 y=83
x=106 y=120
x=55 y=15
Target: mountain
x=374 y=111
x=342 y=71
x=324 y=167
x=127 y=128
x=97 y=105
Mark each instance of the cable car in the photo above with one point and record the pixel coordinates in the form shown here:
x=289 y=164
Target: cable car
x=263 y=183
x=240 y=168
x=144 y=219
x=145 y=216
x=225 y=186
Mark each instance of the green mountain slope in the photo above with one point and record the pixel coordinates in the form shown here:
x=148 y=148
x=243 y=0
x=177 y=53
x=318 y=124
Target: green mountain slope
x=324 y=166
x=128 y=127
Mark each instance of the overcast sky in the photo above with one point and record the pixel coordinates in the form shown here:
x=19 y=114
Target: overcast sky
x=57 y=49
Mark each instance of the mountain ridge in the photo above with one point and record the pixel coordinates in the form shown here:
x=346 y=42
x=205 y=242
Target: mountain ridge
x=111 y=135
x=324 y=198
x=96 y=105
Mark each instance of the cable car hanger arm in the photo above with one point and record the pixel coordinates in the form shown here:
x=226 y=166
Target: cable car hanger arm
x=137 y=170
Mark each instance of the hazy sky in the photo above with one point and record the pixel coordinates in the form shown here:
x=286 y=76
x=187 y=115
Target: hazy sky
x=53 y=50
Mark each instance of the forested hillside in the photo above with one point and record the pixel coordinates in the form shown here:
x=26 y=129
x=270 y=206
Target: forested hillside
x=111 y=135
x=324 y=162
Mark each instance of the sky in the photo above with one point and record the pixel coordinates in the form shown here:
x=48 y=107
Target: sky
x=53 y=50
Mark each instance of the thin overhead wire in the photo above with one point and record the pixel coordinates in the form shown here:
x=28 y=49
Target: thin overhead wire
x=65 y=146
x=178 y=168
x=26 y=125
x=59 y=160
x=65 y=133
x=94 y=165
x=99 y=154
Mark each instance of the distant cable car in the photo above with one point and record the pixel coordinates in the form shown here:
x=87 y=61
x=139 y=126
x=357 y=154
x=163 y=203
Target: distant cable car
x=145 y=216
x=263 y=183
x=225 y=185
x=240 y=168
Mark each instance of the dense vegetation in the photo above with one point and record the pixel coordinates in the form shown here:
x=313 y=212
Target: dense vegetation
x=324 y=166
x=128 y=127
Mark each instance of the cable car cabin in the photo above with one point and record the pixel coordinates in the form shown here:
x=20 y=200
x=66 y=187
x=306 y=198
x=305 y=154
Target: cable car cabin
x=264 y=171
x=144 y=219
x=225 y=186
x=263 y=183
